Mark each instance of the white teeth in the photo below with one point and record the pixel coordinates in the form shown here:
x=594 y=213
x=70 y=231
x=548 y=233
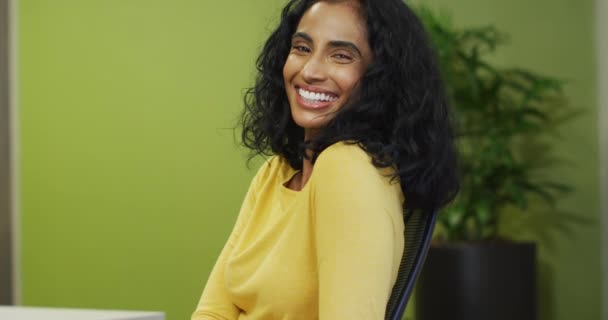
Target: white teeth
x=316 y=96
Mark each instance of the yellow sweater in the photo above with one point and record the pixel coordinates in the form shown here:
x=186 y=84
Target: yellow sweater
x=329 y=251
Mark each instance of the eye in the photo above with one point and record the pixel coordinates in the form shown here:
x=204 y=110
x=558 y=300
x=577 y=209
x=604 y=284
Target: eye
x=343 y=57
x=300 y=48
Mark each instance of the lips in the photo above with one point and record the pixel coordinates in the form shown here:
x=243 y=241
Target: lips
x=314 y=98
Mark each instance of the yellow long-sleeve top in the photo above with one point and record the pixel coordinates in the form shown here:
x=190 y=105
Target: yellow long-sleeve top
x=329 y=251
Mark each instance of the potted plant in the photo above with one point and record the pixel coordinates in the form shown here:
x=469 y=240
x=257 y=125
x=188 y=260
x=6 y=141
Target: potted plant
x=471 y=272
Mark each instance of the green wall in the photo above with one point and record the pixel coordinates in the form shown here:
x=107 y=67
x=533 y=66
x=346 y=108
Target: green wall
x=131 y=178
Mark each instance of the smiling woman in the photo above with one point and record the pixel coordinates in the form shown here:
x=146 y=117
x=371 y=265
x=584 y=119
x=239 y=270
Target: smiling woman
x=350 y=106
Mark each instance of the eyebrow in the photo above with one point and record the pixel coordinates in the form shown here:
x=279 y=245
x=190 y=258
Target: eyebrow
x=333 y=43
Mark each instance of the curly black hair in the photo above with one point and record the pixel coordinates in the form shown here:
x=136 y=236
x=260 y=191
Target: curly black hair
x=401 y=117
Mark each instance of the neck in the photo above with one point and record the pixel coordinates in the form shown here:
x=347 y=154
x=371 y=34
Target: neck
x=306 y=171
x=306 y=164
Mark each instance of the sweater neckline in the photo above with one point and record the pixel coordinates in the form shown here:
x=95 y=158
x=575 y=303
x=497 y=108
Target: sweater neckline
x=287 y=174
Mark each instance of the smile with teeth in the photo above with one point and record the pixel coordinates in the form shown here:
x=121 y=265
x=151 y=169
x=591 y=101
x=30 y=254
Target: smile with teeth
x=315 y=96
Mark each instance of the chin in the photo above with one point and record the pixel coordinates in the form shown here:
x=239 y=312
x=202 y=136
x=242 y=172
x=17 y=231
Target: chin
x=310 y=121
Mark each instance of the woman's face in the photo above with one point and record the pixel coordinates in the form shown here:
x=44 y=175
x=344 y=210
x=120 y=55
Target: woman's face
x=329 y=55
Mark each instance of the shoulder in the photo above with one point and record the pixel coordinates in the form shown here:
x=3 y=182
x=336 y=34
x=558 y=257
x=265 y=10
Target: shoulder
x=344 y=157
x=348 y=165
x=342 y=154
x=345 y=181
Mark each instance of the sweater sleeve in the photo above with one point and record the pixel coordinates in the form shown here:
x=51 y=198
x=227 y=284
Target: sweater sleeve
x=215 y=303
x=355 y=234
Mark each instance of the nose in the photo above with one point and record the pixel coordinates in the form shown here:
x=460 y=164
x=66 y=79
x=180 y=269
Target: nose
x=314 y=70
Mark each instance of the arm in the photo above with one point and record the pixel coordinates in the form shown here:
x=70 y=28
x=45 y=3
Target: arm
x=215 y=303
x=354 y=236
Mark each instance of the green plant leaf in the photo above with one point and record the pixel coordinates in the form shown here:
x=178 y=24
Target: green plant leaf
x=500 y=114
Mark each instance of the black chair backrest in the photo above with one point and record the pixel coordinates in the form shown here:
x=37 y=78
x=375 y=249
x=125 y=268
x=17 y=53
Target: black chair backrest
x=417 y=239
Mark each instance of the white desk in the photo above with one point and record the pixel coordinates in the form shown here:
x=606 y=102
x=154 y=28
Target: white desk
x=30 y=313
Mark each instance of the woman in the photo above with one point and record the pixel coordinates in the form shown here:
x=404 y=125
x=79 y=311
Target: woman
x=350 y=104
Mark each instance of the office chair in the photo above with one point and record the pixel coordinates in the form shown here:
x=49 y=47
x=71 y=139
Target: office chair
x=417 y=239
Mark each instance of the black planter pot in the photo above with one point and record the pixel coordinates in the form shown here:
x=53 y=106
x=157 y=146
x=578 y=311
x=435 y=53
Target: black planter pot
x=478 y=281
